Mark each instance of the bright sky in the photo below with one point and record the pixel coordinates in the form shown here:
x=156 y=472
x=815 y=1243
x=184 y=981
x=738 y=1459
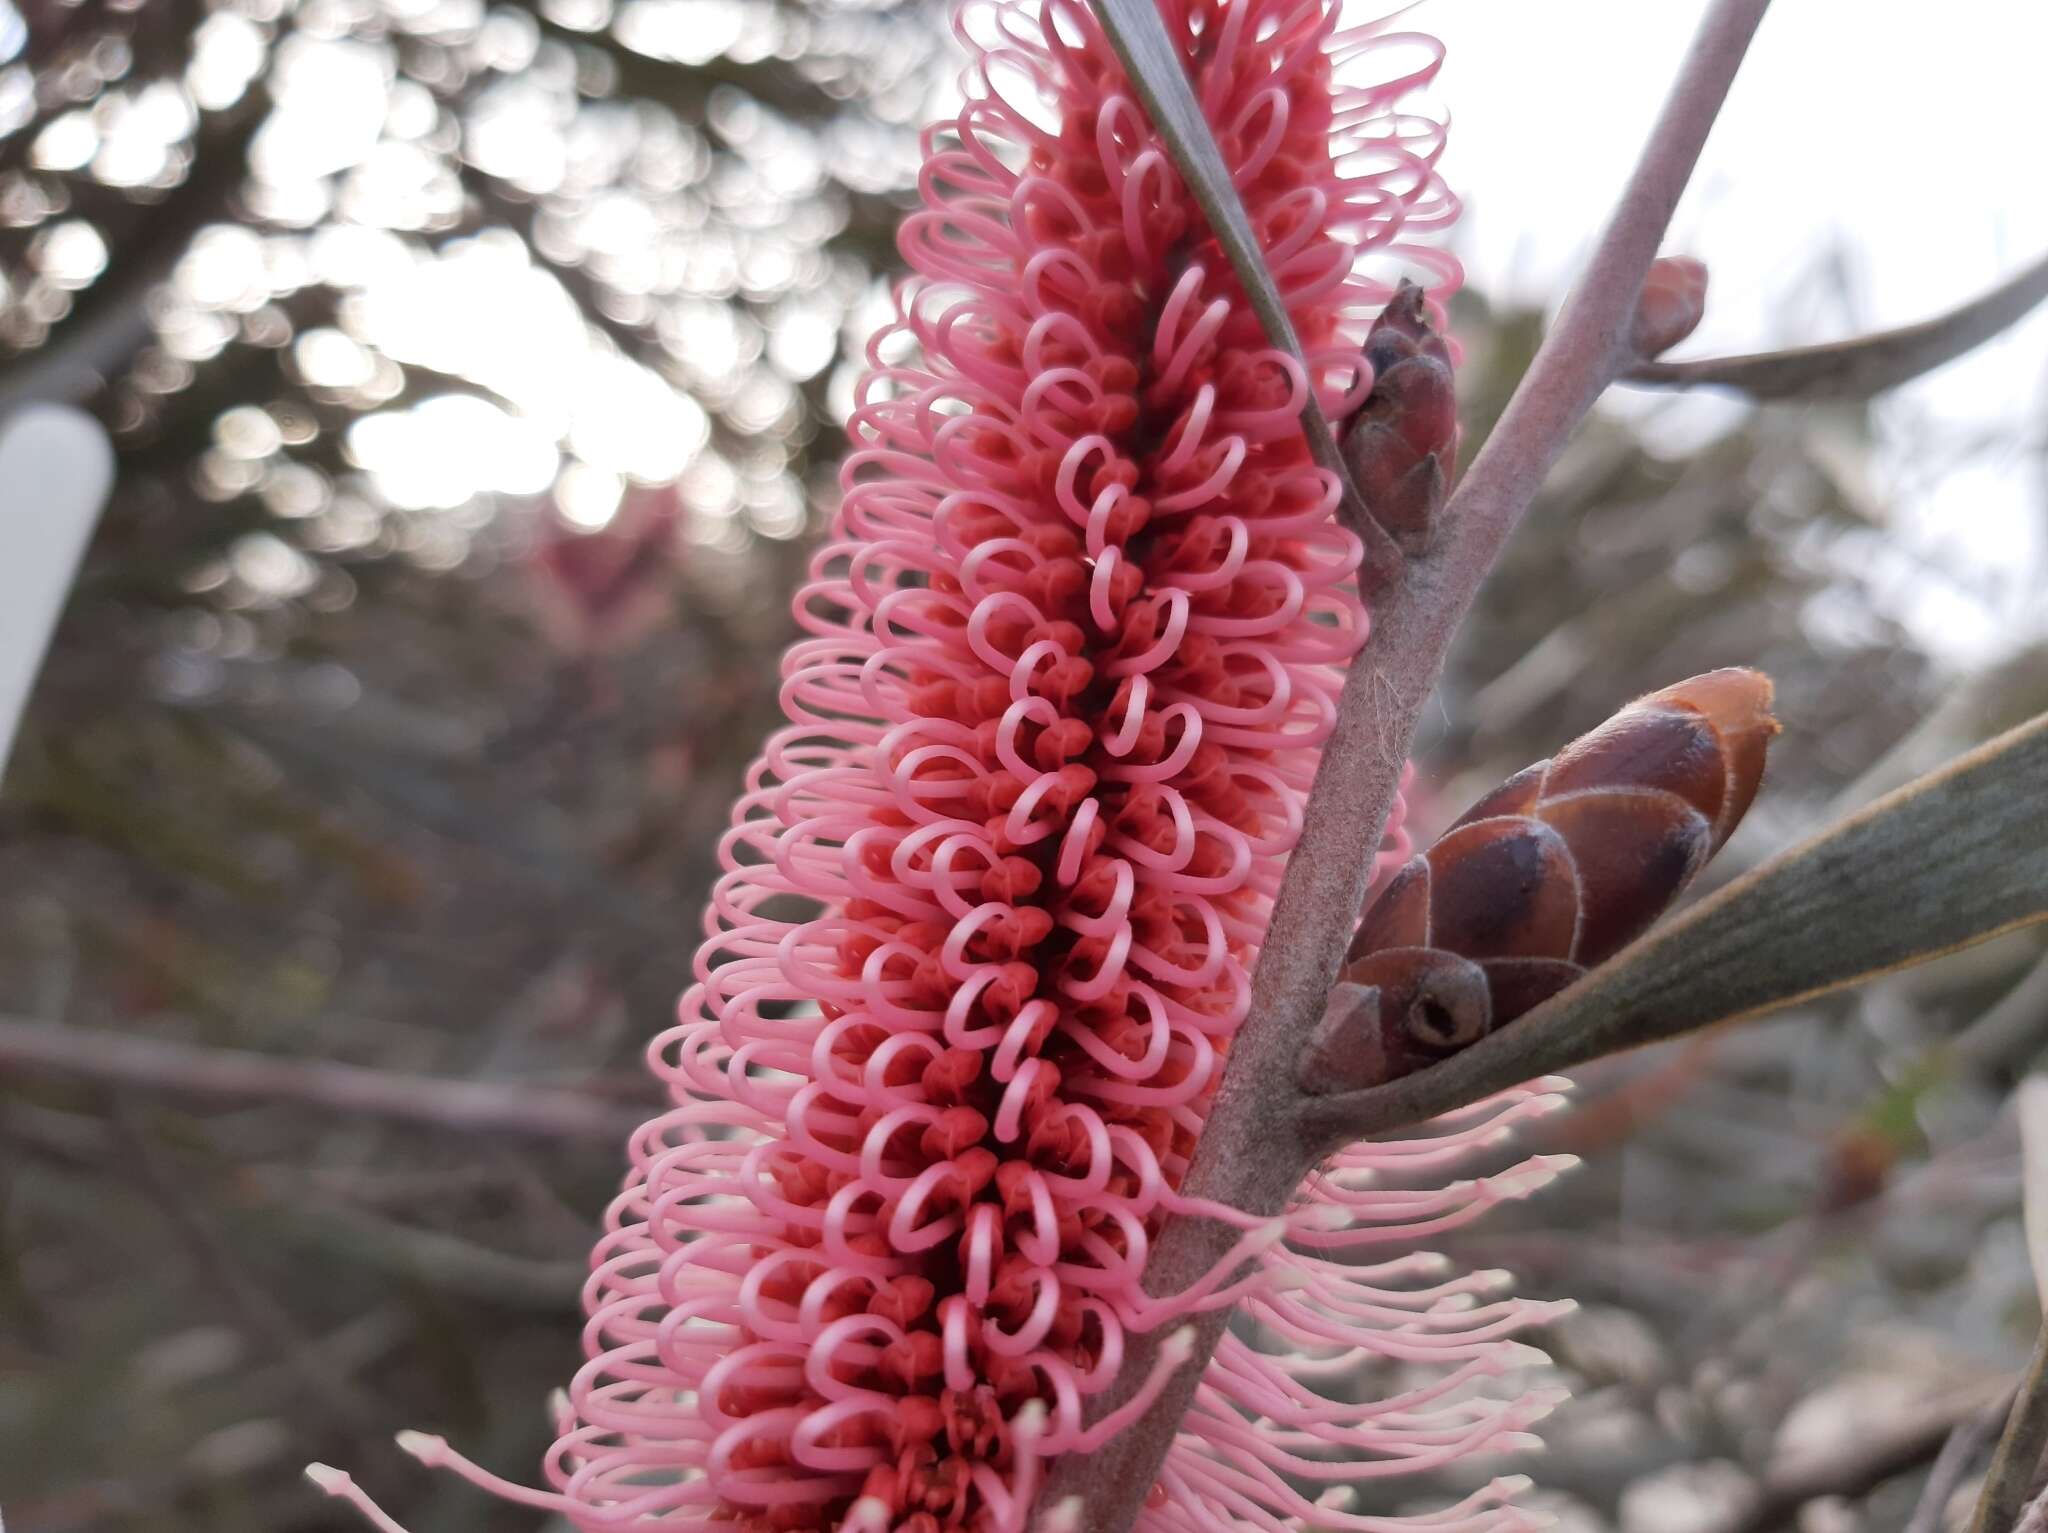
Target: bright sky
x=1909 y=140
x=1869 y=142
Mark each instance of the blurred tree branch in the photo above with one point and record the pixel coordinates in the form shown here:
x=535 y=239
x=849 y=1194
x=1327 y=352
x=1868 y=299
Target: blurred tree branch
x=235 y=1075
x=247 y=1301
x=1952 y=1466
x=110 y=322
x=2016 y=1463
x=1866 y=1463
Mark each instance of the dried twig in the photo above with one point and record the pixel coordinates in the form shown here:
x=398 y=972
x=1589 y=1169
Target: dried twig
x=2014 y=1477
x=1958 y=1456
x=1867 y=365
x=2013 y=1466
x=247 y=1300
x=235 y=1075
x=1252 y=1151
x=2030 y=1103
x=1863 y=1465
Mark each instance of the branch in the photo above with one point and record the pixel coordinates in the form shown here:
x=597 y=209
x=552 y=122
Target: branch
x=2015 y=1475
x=111 y=323
x=1965 y=850
x=1252 y=1151
x=1867 y=365
x=1958 y=1456
x=1863 y=1465
x=236 y=1075
x=686 y=88
x=247 y=1302
x=2013 y=1466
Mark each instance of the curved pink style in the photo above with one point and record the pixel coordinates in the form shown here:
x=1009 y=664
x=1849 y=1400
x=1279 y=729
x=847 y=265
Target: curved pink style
x=993 y=895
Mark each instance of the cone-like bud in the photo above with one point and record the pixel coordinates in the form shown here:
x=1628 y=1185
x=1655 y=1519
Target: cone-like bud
x=1551 y=873
x=1673 y=300
x=1401 y=446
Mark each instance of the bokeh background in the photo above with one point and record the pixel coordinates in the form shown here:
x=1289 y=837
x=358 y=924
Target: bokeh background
x=476 y=373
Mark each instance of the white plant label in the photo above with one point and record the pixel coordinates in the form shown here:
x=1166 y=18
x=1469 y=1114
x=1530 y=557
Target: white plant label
x=56 y=471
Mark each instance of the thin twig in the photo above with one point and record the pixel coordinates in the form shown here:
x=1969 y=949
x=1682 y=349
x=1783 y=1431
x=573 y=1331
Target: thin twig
x=2015 y=1472
x=2013 y=1466
x=1965 y=1445
x=236 y=1075
x=1860 y=1466
x=1252 y=1152
x=1866 y=365
x=249 y=1302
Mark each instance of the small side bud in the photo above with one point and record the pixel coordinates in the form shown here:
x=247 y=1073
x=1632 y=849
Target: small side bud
x=1396 y=1011
x=1674 y=298
x=1401 y=446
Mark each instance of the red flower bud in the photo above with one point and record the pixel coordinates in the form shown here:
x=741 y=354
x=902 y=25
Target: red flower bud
x=1401 y=446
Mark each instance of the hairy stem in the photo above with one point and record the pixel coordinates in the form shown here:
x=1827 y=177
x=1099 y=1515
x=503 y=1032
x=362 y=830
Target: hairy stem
x=1252 y=1150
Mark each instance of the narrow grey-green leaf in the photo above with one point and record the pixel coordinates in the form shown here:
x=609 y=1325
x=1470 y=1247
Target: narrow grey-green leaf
x=1949 y=860
x=1139 y=37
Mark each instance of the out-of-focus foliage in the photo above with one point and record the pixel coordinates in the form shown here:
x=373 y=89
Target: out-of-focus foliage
x=475 y=372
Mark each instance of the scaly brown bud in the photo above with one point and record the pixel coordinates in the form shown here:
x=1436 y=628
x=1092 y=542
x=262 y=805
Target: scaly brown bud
x=1401 y=446
x=1551 y=873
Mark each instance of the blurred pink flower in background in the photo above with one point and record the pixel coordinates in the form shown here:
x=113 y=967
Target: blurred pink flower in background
x=596 y=589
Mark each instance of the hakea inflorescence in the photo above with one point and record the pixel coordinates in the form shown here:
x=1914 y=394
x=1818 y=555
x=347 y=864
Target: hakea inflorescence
x=1551 y=873
x=993 y=895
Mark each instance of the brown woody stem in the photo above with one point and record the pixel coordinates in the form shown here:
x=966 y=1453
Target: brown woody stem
x=1254 y=1150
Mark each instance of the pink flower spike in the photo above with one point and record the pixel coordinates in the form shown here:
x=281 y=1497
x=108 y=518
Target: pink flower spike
x=992 y=897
